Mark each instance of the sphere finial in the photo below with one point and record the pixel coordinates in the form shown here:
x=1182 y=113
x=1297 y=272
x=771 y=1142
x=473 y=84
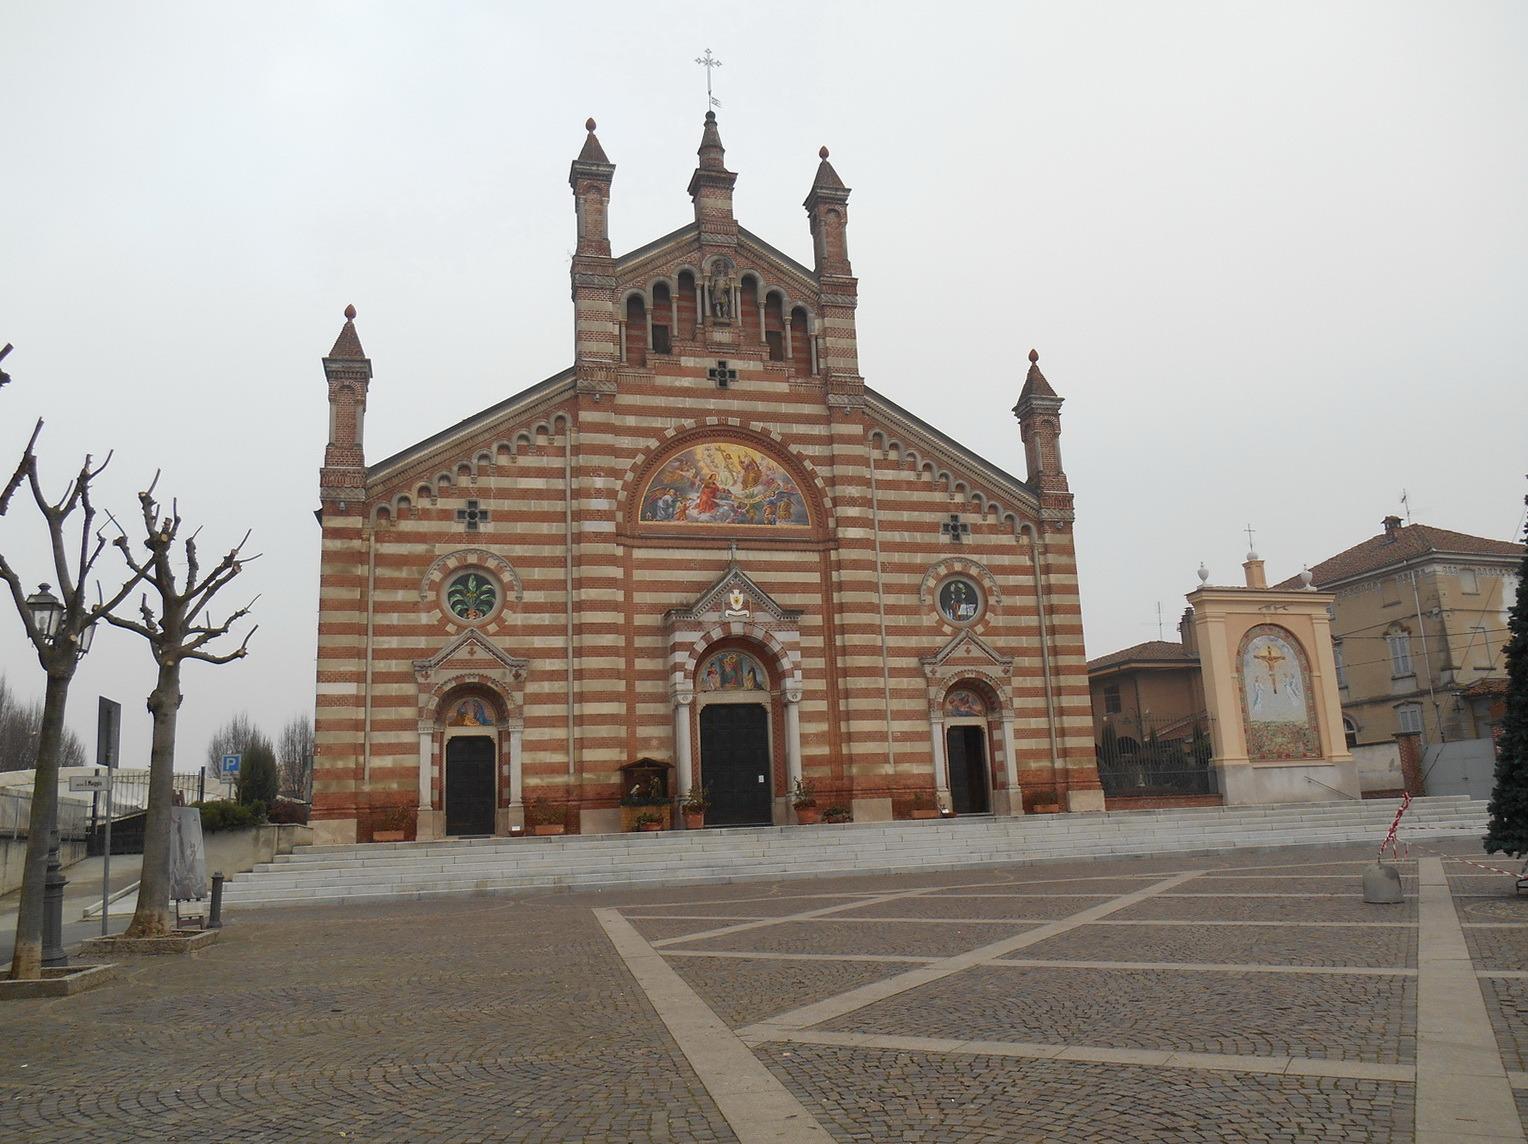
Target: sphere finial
x=589 y=125
x=349 y=313
x=822 y=152
x=1034 y=356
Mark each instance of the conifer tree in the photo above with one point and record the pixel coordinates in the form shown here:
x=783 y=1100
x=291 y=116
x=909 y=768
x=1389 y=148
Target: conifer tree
x=1508 y=828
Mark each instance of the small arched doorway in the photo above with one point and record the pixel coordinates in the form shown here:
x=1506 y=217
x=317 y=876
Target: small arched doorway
x=967 y=747
x=736 y=756
x=470 y=785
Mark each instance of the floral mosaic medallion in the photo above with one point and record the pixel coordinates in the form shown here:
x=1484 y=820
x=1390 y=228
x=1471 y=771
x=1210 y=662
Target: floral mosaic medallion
x=472 y=596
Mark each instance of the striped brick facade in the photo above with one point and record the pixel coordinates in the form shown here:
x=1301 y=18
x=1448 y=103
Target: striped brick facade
x=588 y=659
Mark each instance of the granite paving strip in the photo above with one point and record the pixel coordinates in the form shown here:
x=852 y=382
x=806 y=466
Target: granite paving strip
x=1209 y=967
x=756 y=1105
x=862 y=935
x=1097 y=1054
x=1462 y=1089
x=1015 y=907
x=821 y=1011
x=804 y=915
x=1239 y=907
x=1240 y=922
x=762 y=955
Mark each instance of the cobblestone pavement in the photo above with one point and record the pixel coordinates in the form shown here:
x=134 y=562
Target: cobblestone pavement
x=1112 y=1000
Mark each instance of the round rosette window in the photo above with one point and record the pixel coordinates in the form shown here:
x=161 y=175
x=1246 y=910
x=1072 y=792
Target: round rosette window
x=960 y=600
x=472 y=596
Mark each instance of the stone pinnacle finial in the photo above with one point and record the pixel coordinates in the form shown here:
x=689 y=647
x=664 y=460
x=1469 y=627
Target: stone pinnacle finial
x=1034 y=355
x=349 y=313
x=589 y=125
x=822 y=152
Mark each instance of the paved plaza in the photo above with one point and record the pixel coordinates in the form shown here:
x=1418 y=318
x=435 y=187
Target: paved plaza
x=1242 y=996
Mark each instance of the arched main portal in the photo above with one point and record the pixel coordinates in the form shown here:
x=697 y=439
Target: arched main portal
x=469 y=787
x=733 y=690
x=968 y=747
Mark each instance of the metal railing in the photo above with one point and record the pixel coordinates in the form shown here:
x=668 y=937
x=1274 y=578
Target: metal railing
x=16 y=816
x=1156 y=757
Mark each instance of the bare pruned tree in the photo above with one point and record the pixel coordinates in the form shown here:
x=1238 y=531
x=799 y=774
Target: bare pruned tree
x=294 y=756
x=177 y=627
x=59 y=645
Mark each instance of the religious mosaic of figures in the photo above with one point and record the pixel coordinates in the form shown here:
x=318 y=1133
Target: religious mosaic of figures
x=963 y=702
x=471 y=596
x=470 y=712
x=733 y=671
x=1276 y=700
x=724 y=483
x=959 y=600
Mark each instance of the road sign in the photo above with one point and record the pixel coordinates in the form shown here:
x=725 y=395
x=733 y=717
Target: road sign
x=230 y=766
x=89 y=782
x=108 y=732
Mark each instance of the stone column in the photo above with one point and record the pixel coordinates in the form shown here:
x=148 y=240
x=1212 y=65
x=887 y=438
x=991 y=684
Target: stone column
x=1011 y=765
x=516 y=768
x=941 y=778
x=426 y=760
x=793 y=735
x=684 y=696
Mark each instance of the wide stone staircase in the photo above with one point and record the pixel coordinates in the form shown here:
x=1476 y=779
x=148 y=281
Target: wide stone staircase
x=384 y=871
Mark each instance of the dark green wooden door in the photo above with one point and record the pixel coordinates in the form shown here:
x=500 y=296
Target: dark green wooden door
x=734 y=763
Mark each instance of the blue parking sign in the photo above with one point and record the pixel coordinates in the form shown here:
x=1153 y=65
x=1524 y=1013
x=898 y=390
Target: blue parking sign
x=231 y=766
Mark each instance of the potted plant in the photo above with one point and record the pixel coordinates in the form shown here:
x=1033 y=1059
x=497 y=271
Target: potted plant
x=648 y=821
x=694 y=807
x=544 y=817
x=923 y=806
x=392 y=823
x=837 y=814
x=805 y=802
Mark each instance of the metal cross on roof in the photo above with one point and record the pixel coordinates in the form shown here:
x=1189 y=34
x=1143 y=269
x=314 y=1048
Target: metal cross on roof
x=1250 y=546
x=708 y=62
x=472 y=516
x=955 y=528
x=722 y=375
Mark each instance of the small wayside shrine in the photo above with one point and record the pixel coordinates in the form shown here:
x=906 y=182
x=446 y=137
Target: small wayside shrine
x=1270 y=686
x=706 y=545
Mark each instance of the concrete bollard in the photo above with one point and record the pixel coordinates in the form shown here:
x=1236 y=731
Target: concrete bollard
x=215 y=916
x=1382 y=885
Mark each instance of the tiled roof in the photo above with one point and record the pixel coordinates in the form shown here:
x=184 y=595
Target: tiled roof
x=1482 y=688
x=1408 y=542
x=1152 y=651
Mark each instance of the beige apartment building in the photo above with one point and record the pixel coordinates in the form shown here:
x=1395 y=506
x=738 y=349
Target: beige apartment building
x=1418 y=627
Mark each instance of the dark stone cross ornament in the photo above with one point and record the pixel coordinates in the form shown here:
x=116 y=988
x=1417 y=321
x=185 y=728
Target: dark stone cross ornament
x=722 y=375
x=472 y=516
x=955 y=528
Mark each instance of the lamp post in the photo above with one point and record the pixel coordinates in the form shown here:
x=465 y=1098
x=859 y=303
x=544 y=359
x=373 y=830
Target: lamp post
x=47 y=613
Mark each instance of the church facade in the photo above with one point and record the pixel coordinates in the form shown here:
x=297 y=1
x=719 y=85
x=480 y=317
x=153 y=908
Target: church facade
x=707 y=548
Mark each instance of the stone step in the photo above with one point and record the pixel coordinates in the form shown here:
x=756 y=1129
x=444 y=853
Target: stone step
x=402 y=871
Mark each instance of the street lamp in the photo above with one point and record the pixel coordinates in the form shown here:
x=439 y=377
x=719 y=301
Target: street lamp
x=47 y=612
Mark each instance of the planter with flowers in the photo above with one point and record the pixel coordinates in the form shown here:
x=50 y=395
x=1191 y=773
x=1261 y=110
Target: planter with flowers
x=805 y=802
x=694 y=806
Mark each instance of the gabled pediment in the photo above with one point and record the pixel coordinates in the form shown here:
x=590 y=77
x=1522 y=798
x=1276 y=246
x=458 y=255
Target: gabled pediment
x=967 y=650
x=734 y=587
x=471 y=651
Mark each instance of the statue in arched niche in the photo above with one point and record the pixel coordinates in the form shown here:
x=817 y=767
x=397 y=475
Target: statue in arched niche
x=719 y=287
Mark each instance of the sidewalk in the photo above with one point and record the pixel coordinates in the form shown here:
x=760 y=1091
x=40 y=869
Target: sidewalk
x=83 y=890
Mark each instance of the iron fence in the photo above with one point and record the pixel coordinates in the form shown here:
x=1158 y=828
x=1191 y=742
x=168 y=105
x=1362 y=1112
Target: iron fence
x=16 y=815
x=1156 y=757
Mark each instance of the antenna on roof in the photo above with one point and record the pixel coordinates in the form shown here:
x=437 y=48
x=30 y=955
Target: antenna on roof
x=1159 y=619
x=1406 y=504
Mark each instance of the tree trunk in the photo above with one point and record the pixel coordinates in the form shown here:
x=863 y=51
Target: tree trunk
x=152 y=917
x=26 y=960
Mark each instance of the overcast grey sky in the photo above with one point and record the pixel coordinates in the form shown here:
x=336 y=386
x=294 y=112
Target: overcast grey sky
x=1273 y=256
